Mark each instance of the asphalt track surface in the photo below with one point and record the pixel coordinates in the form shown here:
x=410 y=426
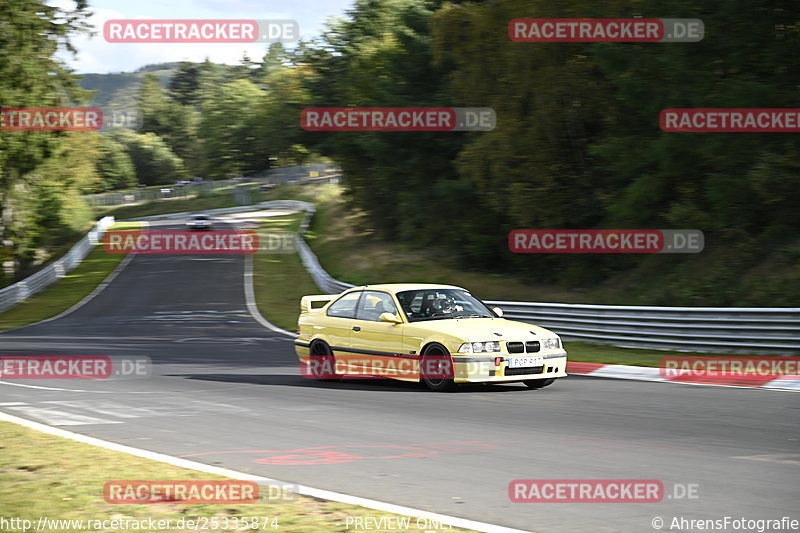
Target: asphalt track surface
x=226 y=391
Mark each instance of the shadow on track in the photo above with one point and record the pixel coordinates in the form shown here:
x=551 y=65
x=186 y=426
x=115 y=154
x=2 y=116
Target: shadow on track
x=377 y=385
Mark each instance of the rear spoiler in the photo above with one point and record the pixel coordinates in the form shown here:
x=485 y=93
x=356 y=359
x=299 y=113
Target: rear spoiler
x=315 y=301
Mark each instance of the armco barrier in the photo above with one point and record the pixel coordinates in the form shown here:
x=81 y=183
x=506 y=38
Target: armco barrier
x=323 y=280
x=697 y=329
x=302 y=173
x=694 y=329
x=22 y=290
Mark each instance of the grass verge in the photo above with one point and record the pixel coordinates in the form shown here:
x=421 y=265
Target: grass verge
x=48 y=476
x=279 y=280
x=67 y=291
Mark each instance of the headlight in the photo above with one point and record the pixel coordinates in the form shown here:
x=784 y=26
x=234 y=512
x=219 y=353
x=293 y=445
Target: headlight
x=551 y=344
x=480 y=347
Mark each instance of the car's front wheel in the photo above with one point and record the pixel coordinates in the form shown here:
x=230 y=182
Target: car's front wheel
x=538 y=383
x=436 y=368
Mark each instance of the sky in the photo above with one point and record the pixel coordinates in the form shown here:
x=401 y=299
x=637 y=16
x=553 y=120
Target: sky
x=95 y=55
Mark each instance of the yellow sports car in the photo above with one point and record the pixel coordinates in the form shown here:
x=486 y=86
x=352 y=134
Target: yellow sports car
x=438 y=334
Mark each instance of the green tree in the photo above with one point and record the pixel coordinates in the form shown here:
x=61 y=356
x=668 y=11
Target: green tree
x=152 y=158
x=54 y=195
x=712 y=181
x=382 y=56
x=175 y=123
x=184 y=85
x=152 y=103
x=534 y=170
x=229 y=131
x=275 y=58
x=210 y=77
x=247 y=69
x=115 y=166
x=275 y=118
x=33 y=31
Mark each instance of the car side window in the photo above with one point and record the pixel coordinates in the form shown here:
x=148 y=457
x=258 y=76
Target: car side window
x=374 y=304
x=411 y=302
x=345 y=306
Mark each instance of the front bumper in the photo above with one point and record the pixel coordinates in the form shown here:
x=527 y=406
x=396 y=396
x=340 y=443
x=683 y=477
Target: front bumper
x=484 y=368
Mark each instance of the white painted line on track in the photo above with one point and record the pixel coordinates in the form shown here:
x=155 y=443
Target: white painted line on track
x=106 y=408
x=783 y=384
x=781 y=458
x=40 y=387
x=115 y=391
x=639 y=373
x=60 y=418
x=290 y=487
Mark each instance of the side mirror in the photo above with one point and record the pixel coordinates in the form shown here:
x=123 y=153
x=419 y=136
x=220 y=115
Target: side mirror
x=389 y=317
x=497 y=311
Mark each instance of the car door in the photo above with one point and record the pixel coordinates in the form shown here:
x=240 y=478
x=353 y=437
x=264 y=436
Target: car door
x=378 y=345
x=339 y=321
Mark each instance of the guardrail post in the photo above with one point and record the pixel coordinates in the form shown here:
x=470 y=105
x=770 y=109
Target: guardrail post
x=23 y=293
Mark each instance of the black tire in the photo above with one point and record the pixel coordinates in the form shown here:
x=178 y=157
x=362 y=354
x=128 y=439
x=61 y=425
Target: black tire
x=322 y=363
x=538 y=383
x=436 y=383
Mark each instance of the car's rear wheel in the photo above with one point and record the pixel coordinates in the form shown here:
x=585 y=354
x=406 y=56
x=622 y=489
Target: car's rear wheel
x=322 y=363
x=436 y=368
x=538 y=383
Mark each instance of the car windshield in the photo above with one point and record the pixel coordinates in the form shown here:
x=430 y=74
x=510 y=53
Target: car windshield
x=439 y=304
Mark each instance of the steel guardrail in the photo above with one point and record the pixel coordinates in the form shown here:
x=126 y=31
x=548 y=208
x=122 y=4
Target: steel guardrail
x=696 y=329
x=278 y=175
x=24 y=289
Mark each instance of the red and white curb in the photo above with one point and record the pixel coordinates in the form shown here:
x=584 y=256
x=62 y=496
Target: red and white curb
x=646 y=373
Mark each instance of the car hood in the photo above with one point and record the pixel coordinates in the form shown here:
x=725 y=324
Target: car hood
x=482 y=329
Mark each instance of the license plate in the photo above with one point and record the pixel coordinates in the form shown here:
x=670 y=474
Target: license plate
x=521 y=362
